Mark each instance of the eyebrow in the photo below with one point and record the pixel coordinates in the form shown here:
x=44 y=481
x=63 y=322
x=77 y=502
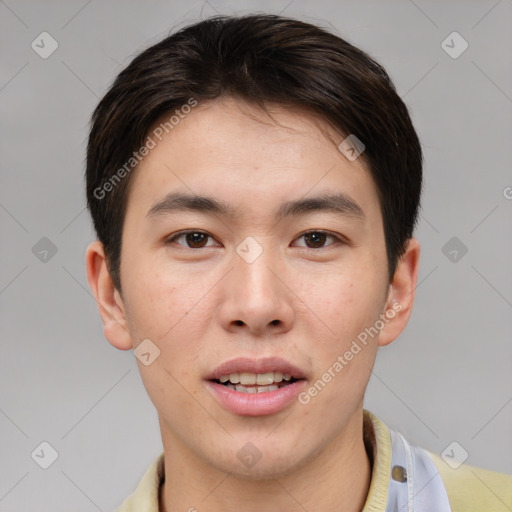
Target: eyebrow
x=178 y=201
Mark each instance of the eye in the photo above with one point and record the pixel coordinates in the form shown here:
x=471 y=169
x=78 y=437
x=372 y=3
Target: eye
x=198 y=239
x=193 y=239
x=317 y=239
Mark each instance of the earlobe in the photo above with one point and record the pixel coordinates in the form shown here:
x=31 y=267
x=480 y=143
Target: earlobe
x=108 y=299
x=401 y=294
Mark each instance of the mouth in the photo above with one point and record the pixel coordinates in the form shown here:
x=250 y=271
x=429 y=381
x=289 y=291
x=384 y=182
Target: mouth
x=255 y=387
x=246 y=382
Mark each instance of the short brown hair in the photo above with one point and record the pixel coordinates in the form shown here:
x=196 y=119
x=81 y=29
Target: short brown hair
x=262 y=59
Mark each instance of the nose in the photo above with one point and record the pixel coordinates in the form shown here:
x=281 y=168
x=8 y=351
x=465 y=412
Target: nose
x=256 y=297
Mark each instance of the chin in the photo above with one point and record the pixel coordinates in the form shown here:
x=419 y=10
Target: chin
x=267 y=462
x=263 y=469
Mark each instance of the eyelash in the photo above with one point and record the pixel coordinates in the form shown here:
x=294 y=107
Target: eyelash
x=174 y=237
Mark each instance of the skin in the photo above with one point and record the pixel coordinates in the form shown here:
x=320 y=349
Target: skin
x=297 y=300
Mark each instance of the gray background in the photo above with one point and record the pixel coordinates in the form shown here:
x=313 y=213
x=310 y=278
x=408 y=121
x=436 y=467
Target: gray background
x=447 y=378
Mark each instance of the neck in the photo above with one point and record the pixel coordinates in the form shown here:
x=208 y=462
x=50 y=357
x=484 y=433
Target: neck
x=337 y=478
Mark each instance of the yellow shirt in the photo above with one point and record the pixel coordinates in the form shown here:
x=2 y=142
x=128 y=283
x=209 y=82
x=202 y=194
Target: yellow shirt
x=469 y=489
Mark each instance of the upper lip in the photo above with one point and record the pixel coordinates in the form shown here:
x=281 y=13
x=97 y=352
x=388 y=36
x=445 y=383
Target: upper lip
x=249 y=365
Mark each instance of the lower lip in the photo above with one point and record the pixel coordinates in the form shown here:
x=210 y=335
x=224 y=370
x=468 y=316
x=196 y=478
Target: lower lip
x=255 y=404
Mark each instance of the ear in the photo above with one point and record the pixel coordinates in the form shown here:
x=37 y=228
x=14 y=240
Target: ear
x=110 y=304
x=402 y=291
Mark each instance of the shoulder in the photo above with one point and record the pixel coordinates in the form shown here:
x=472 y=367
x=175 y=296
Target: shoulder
x=471 y=488
x=145 y=498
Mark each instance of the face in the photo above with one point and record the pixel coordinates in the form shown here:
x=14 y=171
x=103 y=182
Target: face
x=258 y=283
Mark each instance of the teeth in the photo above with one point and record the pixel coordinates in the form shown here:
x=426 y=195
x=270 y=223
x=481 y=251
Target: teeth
x=254 y=389
x=243 y=389
x=265 y=379
x=246 y=378
x=250 y=379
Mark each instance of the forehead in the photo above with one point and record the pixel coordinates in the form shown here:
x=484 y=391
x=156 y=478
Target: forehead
x=237 y=152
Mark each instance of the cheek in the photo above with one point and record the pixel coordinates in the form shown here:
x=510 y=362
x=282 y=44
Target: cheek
x=348 y=304
x=346 y=301
x=167 y=308
x=162 y=310
x=159 y=302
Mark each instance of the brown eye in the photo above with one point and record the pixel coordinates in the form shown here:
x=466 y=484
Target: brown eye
x=196 y=239
x=316 y=238
x=193 y=239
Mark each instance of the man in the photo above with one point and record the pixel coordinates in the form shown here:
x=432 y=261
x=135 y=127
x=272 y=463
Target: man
x=254 y=183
